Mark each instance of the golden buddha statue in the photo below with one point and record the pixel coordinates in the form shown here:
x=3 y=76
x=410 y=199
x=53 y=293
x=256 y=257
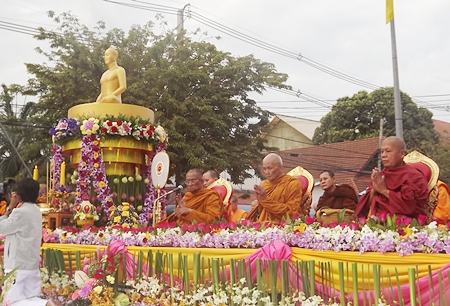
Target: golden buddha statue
x=113 y=81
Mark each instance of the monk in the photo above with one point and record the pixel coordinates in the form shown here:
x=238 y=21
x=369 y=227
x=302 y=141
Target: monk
x=212 y=180
x=198 y=205
x=335 y=196
x=113 y=81
x=234 y=212
x=398 y=189
x=279 y=196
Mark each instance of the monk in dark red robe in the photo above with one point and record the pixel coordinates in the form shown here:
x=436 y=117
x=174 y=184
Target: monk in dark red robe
x=335 y=196
x=398 y=189
x=279 y=196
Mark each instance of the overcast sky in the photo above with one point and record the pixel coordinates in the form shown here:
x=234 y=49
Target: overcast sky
x=349 y=36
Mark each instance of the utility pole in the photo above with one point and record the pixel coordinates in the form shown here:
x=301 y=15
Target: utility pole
x=180 y=19
x=379 y=143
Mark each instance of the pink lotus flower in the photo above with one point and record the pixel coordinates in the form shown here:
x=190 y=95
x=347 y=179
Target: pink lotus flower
x=422 y=219
x=246 y=222
x=333 y=224
x=232 y=225
x=354 y=226
x=256 y=225
x=309 y=220
x=207 y=228
x=382 y=216
x=124 y=196
x=406 y=220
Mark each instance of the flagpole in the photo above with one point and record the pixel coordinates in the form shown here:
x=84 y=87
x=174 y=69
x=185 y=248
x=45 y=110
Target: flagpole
x=397 y=98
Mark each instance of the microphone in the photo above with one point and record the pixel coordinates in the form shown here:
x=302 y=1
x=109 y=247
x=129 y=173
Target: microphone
x=178 y=188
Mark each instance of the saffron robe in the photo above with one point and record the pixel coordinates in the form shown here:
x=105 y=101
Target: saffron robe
x=408 y=194
x=284 y=196
x=343 y=196
x=206 y=204
x=236 y=216
x=442 y=211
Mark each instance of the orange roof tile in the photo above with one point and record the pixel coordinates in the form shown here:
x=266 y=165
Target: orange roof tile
x=350 y=160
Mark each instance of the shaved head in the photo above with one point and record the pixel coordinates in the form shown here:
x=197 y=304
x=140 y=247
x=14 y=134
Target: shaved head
x=272 y=166
x=213 y=174
x=392 y=152
x=396 y=142
x=273 y=158
x=198 y=174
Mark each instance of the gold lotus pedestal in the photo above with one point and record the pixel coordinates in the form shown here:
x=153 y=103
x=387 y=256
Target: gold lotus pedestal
x=121 y=155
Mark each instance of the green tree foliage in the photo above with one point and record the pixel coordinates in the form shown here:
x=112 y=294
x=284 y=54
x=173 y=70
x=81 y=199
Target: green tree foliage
x=19 y=149
x=358 y=117
x=198 y=93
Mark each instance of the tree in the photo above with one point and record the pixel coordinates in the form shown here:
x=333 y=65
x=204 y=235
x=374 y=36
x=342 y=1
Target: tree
x=19 y=149
x=199 y=94
x=358 y=117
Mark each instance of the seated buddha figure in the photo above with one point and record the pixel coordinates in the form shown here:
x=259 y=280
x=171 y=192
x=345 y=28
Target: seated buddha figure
x=113 y=81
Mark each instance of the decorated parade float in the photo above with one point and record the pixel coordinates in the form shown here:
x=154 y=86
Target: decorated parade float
x=103 y=177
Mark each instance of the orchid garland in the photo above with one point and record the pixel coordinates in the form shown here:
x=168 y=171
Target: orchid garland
x=91 y=164
x=57 y=162
x=431 y=238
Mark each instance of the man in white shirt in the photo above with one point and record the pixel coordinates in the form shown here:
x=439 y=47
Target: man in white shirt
x=22 y=225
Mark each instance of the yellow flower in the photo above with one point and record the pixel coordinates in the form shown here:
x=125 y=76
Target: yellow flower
x=125 y=213
x=95 y=165
x=126 y=208
x=126 y=225
x=117 y=219
x=98 y=289
x=95 y=142
x=95 y=154
x=101 y=184
x=408 y=232
x=300 y=228
x=112 y=208
x=110 y=279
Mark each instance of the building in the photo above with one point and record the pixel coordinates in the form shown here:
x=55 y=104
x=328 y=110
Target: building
x=286 y=133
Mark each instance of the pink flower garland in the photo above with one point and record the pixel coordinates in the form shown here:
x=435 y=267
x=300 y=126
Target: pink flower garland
x=91 y=164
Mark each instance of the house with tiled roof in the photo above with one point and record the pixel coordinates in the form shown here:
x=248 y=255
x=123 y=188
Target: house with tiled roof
x=286 y=132
x=443 y=129
x=351 y=161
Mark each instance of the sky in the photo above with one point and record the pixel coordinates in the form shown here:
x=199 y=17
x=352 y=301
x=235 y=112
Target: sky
x=348 y=36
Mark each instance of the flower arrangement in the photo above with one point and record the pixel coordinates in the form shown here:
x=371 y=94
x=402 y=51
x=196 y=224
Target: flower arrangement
x=95 y=282
x=84 y=211
x=118 y=127
x=64 y=129
x=110 y=126
x=89 y=126
x=123 y=215
x=61 y=198
x=361 y=237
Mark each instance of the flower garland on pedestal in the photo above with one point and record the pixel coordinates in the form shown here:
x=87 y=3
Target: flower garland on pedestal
x=57 y=161
x=152 y=192
x=91 y=164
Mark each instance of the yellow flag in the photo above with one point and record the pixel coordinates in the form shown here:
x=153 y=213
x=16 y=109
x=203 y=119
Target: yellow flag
x=389 y=10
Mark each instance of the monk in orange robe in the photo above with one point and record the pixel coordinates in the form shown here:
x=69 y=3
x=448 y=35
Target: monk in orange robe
x=398 y=189
x=279 y=196
x=335 y=196
x=235 y=214
x=212 y=180
x=442 y=211
x=198 y=205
